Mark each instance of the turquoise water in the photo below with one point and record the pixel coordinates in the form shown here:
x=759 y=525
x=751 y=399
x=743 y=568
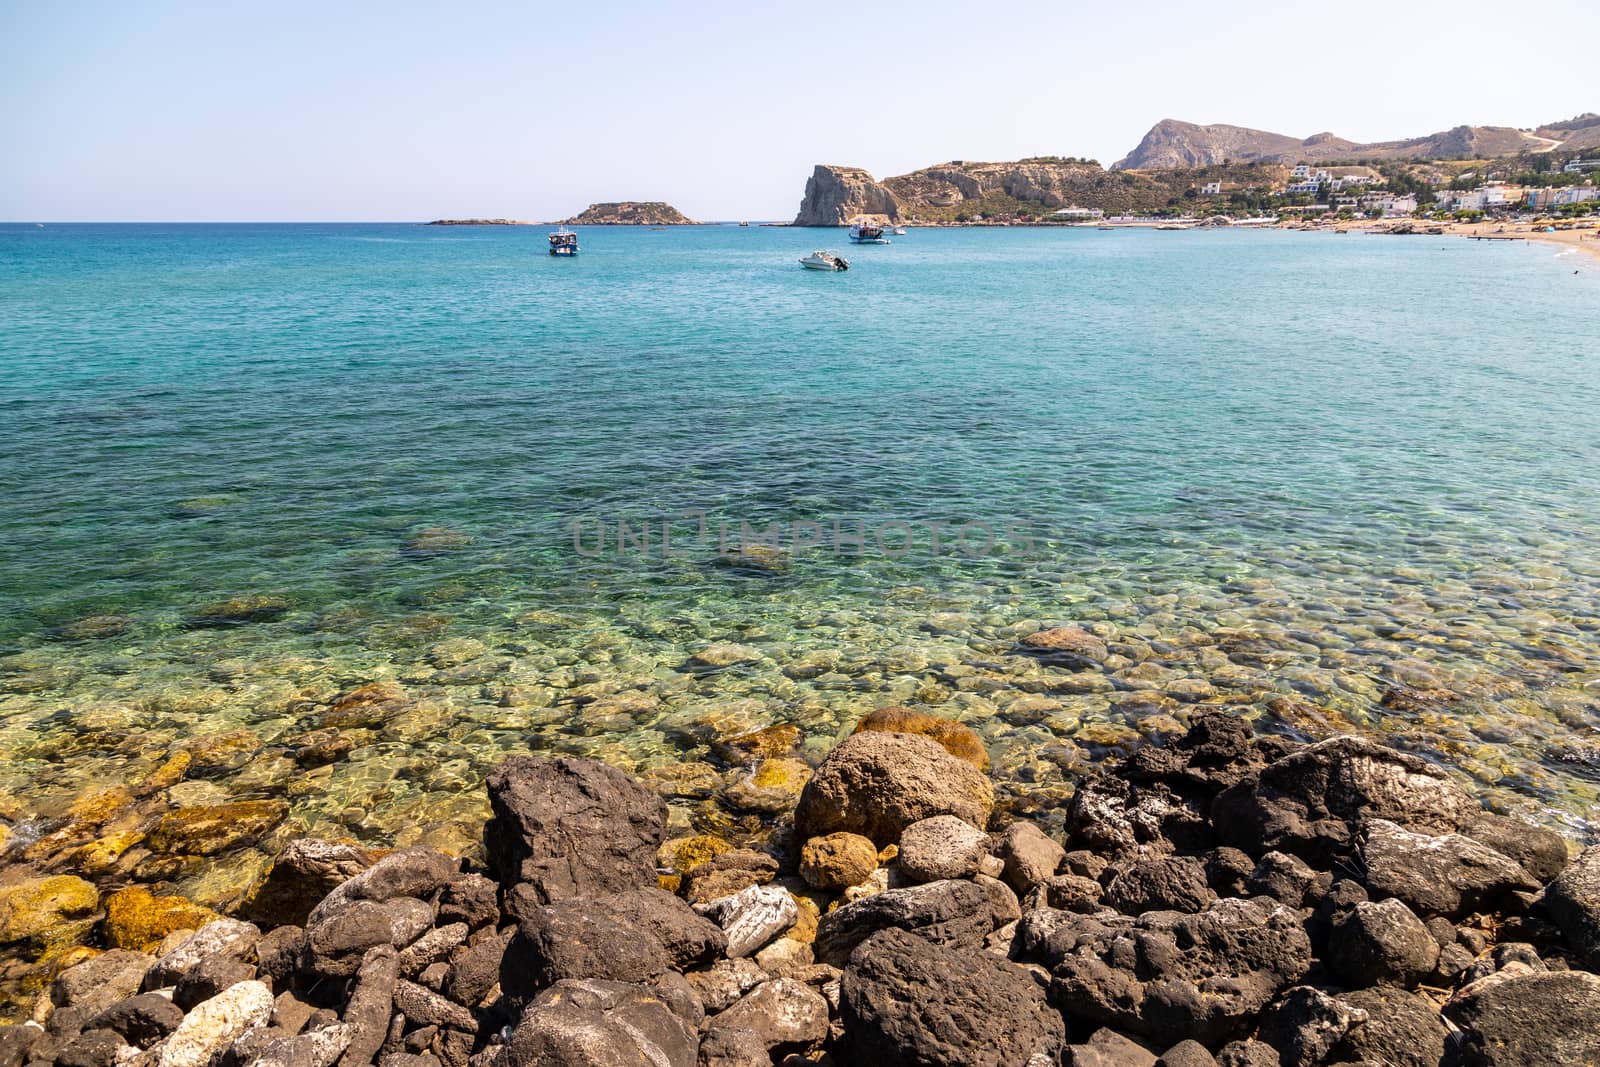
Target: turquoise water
x=1284 y=471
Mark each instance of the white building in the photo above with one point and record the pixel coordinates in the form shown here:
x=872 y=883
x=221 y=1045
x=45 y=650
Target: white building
x=1211 y=189
x=1387 y=204
x=1074 y=213
x=1578 y=166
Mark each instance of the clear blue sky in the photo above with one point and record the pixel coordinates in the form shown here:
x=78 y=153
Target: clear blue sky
x=335 y=110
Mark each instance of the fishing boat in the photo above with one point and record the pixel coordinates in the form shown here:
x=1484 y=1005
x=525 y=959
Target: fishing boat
x=867 y=233
x=825 y=260
x=563 y=242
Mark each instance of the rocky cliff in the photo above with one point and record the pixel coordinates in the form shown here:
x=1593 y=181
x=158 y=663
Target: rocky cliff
x=1171 y=143
x=961 y=190
x=835 y=195
x=632 y=213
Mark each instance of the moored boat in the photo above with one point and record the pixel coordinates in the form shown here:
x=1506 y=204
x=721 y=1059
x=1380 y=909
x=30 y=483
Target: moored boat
x=563 y=242
x=864 y=232
x=825 y=260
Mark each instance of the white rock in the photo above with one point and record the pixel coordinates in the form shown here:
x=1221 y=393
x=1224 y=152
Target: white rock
x=224 y=937
x=754 y=916
x=215 y=1024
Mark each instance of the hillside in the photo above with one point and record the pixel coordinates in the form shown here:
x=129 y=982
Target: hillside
x=1171 y=143
x=631 y=213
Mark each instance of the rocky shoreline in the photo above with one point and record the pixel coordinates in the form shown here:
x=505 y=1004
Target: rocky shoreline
x=1225 y=899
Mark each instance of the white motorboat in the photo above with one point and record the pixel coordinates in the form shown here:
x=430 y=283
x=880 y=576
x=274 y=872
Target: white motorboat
x=867 y=233
x=899 y=231
x=824 y=260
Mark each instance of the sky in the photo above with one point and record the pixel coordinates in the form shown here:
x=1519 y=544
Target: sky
x=356 y=111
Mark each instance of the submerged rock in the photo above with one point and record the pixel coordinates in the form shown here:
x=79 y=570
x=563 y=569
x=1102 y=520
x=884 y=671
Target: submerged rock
x=40 y=905
x=956 y=739
x=239 y=610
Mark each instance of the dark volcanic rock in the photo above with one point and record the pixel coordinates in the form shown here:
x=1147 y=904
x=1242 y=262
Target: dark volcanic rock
x=1573 y=903
x=1540 y=852
x=306 y=871
x=577 y=939
x=1382 y=942
x=1401 y=1029
x=947 y=913
x=1311 y=802
x=905 y=1000
x=142 y=1020
x=1306 y=1024
x=1528 y=1020
x=600 y=1024
x=1171 y=883
x=1167 y=976
x=1112 y=816
x=339 y=939
x=571 y=827
x=876 y=784
x=1447 y=874
x=367 y=1015
x=687 y=938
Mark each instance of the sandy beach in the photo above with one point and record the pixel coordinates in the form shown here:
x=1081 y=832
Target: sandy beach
x=1585 y=241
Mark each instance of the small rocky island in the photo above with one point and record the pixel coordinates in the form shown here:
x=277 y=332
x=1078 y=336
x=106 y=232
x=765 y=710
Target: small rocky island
x=481 y=222
x=1228 y=898
x=631 y=213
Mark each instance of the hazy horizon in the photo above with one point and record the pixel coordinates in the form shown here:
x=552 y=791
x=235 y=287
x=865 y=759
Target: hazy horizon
x=176 y=112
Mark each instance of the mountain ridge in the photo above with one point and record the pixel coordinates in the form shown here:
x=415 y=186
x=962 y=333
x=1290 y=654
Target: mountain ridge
x=1176 y=143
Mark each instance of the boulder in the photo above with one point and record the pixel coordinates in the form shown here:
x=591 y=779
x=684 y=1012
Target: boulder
x=687 y=937
x=726 y=981
x=1527 y=1019
x=1312 y=802
x=834 y=861
x=1306 y=1024
x=224 y=938
x=753 y=916
x=956 y=739
x=955 y=913
x=137 y=920
x=338 y=940
x=729 y=872
x=577 y=938
x=1572 y=902
x=726 y=1047
x=141 y=1020
x=305 y=871
x=905 y=999
x=571 y=827
x=475 y=970
x=371 y=1001
x=1400 y=1029
x=1111 y=816
x=1382 y=942
x=1189 y=1053
x=1540 y=852
x=1445 y=874
x=784 y=1012
x=320 y=1046
x=214 y=1025
x=877 y=784
x=471 y=899
x=600 y=1024
x=39 y=905
x=98 y=983
x=1170 y=883
x=1107 y=1048
x=1167 y=976
x=1030 y=856
x=941 y=847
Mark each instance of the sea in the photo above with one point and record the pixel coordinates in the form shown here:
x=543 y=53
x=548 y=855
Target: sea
x=638 y=503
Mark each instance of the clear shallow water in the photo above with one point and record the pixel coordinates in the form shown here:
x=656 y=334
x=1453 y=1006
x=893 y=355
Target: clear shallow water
x=1283 y=471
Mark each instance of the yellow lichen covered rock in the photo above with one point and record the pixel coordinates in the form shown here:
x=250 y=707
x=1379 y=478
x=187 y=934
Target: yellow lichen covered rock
x=39 y=905
x=138 y=920
x=957 y=740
